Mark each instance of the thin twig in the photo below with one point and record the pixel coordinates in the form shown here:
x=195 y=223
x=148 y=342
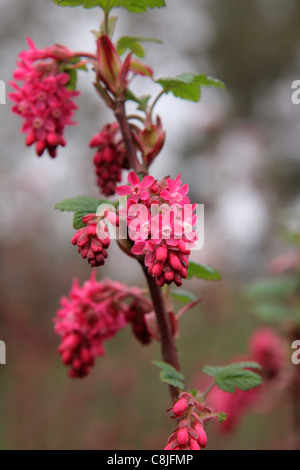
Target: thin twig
x=168 y=348
x=127 y=136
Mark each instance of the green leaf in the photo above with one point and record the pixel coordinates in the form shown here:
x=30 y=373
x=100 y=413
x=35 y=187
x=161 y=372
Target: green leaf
x=277 y=287
x=169 y=379
x=142 y=101
x=213 y=371
x=77 y=219
x=205 y=80
x=82 y=203
x=203 y=271
x=234 y=376
x=75 y=60
x=242 y=379
x=182 y=86
x=188 y=85
x=222 y=417
x=169 y=374
x=71 y=85
x=271 y=311
x=133 y=6
x=182 y=295
x=132 y=43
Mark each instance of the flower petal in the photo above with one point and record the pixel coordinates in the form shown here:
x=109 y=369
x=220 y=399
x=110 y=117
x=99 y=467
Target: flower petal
x=147 y=182
x=133 y=178
x=124 y=190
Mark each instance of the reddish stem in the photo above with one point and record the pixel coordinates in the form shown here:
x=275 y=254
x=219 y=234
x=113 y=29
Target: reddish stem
x=168 y=348
x=127 y=136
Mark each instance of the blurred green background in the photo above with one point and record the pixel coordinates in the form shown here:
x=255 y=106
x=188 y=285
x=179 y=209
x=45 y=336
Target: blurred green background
x=239 y=152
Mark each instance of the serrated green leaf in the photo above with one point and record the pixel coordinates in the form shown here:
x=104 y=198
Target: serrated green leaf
x=77 y=219
x=132 y=43
x=167 y=367
x=242 y=379
x=235 y=375
x=169 y=374
x=182 y=295
x=203 y=271
x=133 y=6
x=188 y=85
x=206 y=80
x=168 y=378
x=182 y=86
x=213 y=371
x=81 y=203
x=83 y=3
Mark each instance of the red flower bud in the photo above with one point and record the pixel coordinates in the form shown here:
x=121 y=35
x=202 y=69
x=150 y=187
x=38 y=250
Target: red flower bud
x=109 y=62
x=183 y=436
x=180 y=407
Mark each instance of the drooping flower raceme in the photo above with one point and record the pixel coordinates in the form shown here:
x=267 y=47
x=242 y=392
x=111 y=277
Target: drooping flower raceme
x=110 y=158
x=90 y=246
x=189 y=433
x=43 y=100
x=267 y=348
x=161 y=223
x=93 y=314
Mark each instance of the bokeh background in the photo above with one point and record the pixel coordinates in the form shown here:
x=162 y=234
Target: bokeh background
x=239 y=152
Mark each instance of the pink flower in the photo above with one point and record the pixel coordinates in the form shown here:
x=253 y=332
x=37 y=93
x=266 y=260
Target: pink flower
x=110 y=158
x=43 y=101
x=136 y=188
x=174 y=193
x=93 y=314
x=162 y=232
x=189 y=433
x=90 y=246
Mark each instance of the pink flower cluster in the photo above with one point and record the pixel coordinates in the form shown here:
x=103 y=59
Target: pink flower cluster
x=234 y=405
x=190 y=433
x=110 y=158
x=43 y=101
x=90 y=246
x=267 y=348
x=160 y=223
x=91 y=315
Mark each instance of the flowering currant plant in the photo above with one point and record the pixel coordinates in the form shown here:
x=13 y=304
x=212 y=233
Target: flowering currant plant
x=152 y=221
